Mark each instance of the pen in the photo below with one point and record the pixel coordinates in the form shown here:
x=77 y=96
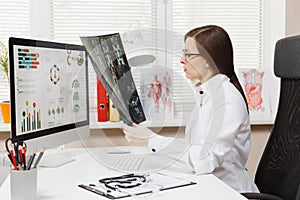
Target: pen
x=17 y=155
x=21 y=158
x=14 y=162
x=12 y=152
x=30 y=161
x=9 y=156
x=39 y=158
x=24 y=157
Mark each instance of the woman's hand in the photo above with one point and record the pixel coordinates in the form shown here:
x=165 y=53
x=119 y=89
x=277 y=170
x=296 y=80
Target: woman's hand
x=137 y=135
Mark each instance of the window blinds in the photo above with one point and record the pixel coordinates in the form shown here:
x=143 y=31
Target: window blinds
x=243 y=20
x=93 y=17
x=75 y=18
x=15 y=21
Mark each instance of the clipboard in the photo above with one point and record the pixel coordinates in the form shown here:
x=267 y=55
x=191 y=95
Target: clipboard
x=154 y=182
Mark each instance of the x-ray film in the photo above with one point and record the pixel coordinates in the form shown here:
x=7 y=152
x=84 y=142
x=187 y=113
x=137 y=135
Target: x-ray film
x=112 y=68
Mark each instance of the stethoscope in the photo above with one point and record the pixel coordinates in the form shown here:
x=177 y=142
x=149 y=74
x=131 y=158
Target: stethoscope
x=125 y=181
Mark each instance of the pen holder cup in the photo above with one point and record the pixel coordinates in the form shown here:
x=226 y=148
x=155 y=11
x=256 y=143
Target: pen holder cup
x=23 y=184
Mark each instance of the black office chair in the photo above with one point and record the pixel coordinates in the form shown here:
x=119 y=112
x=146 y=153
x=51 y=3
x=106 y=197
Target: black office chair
x=278 y=173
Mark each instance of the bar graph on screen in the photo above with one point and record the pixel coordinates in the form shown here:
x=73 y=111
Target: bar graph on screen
x=31 y=117
x=27 y=59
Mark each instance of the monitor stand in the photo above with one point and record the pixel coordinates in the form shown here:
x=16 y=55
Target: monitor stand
x=56 y=157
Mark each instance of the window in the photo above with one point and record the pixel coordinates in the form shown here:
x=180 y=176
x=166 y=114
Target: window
x=15 y=21
x=243 y=20
x=93 y=17
x=253 y=25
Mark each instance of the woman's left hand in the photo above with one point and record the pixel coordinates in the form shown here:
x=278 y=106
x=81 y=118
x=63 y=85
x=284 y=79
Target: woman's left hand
x=137 y=135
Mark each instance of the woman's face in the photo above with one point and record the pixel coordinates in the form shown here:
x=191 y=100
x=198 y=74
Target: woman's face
x=194 y=65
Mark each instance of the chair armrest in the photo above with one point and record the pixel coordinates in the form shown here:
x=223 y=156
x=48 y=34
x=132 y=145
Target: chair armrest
x=261 y=196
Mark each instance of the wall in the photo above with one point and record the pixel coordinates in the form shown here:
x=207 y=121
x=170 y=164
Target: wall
x=292 y=17
x=260 y=134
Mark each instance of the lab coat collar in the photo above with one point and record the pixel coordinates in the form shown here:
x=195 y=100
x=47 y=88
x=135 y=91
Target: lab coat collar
x=206 y=90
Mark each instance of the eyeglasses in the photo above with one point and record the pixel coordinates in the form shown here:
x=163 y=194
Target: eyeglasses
x=187 y=56
x=125 y=181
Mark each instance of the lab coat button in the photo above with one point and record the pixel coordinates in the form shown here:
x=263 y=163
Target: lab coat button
x=201 y=92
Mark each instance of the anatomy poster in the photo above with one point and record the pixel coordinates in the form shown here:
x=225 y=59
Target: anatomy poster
x=255 y=85
x=157 y=93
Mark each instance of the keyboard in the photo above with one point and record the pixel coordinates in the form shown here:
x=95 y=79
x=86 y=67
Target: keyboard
x=128 y=162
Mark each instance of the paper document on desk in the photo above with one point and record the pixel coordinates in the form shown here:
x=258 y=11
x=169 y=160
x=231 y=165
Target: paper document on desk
x=118 y=187
x=112 y=68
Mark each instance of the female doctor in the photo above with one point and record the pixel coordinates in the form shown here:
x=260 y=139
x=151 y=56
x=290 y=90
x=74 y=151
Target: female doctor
x=217 y=134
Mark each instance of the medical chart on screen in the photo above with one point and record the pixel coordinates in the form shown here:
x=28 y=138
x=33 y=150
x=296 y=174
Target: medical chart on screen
x=49 y=87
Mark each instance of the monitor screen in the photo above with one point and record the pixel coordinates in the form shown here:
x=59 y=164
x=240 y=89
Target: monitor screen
x=49 y=91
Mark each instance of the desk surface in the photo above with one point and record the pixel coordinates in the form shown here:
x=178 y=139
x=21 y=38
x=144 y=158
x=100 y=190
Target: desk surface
x=62 y=182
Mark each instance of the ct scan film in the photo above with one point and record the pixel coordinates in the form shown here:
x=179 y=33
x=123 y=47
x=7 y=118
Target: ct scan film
x=112 y=68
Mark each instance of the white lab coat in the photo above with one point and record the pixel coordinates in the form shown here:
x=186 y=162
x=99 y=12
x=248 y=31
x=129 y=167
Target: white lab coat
x=217 y=135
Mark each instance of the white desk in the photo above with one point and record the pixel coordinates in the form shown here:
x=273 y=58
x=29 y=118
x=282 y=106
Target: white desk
x=62 y=182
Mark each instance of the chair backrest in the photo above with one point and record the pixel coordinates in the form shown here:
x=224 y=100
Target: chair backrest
x=278 y=172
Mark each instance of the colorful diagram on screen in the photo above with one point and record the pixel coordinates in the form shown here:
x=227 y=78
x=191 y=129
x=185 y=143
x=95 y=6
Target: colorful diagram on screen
x=54 y=74
x=31 y=117
x=79 y=59
x=76 y=108
x=56 y=111
x=75 y=84
x=76 y=96
x=27 y=59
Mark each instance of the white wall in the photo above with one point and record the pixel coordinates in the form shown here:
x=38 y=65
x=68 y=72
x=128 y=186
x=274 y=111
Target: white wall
x=292 y=17
x=260 y=134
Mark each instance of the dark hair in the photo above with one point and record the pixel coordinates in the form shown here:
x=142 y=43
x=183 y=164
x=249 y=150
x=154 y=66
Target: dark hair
x=216 y=47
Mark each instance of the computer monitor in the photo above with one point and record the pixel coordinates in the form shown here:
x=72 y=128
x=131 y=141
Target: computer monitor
x=49 y=92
